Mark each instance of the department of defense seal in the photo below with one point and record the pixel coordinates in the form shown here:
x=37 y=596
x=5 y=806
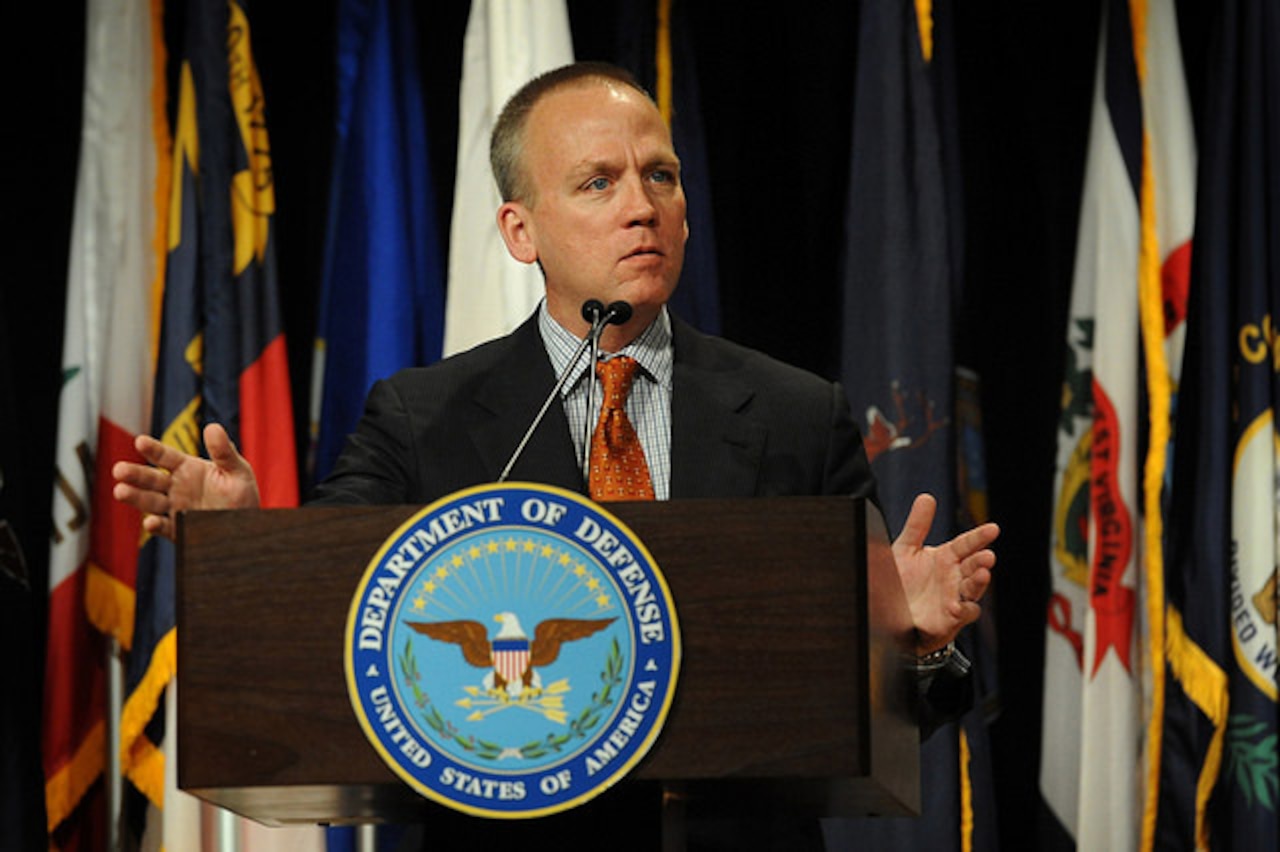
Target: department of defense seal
x=512 y=651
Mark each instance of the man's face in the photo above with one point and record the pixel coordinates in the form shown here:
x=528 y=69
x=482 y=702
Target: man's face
x=606 y=212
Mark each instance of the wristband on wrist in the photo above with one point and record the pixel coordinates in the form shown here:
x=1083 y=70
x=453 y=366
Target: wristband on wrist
x=935 y=660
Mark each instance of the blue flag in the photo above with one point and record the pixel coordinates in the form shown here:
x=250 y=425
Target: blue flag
x=1218 y=767
x=898 y=363
x=663 y=62
x=382 y=307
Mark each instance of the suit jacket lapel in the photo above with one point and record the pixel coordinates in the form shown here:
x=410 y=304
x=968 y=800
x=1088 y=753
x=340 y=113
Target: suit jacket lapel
x=716 y=444
x=507 y=402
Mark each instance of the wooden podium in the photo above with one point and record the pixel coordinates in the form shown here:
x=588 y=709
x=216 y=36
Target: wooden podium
x=792 y=689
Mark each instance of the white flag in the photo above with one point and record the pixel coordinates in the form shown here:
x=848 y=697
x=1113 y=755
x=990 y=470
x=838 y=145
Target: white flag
x=1135 y=221
x=116 y=260
x=508 y=43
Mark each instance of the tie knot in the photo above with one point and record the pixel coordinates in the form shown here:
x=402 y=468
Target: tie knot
x=616 y=376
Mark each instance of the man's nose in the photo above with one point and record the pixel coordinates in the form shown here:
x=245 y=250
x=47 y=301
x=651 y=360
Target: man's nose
x=638 y=204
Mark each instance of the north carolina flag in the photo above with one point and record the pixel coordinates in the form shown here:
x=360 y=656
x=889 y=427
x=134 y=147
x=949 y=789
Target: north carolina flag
x=222 y=352
x=115 y=274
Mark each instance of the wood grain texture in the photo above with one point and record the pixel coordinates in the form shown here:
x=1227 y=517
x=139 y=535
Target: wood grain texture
x=793 y=627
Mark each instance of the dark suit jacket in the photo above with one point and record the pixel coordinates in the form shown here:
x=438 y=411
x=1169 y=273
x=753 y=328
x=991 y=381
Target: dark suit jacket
x=743 y=425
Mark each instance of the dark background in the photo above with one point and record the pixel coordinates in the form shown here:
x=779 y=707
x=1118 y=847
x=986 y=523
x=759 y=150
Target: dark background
x=777 y=84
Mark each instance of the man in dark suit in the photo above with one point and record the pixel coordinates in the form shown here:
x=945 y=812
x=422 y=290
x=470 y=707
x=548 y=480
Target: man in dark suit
x=591 y=188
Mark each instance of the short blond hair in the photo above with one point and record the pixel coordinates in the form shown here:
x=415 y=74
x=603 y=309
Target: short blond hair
x=506 y=143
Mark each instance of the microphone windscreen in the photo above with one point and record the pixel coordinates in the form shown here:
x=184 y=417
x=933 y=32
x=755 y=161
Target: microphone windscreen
x=591 y=310
x=619 y=313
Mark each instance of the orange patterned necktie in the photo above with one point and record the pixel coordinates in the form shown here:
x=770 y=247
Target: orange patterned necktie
x=618 y=468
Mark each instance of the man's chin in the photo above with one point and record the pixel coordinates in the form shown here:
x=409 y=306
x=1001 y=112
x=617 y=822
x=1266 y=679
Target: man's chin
x=644 y=296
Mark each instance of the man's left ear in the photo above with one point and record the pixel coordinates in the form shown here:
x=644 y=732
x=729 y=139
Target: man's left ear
x=514 y=223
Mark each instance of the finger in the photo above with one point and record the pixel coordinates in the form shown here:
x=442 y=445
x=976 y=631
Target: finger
x=975 y=541
x=141 y=476
x=148 y=502
x=970 y=611
x=919 y=521
x=222 y=451
x=983 y=560
x=160 y=455
x=158 y=525
x=974 y=586
x=959 y=614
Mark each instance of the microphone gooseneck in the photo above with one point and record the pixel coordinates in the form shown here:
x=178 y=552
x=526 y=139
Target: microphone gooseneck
x=594 y=312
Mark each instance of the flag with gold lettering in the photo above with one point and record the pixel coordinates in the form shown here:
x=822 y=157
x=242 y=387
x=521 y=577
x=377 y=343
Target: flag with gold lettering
x=115 y=274
x=222 y=351
x=1218 y=771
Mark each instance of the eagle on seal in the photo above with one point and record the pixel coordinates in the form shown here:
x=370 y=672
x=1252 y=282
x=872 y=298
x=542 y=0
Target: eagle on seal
x=512 y=656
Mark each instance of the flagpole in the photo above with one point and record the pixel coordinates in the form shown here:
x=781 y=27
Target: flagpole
x=225 y=830
x=112 y=784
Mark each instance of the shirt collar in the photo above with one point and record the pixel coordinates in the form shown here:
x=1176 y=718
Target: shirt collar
x=652 y=349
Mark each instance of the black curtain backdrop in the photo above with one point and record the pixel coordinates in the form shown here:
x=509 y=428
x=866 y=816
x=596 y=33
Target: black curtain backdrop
x=777 y=83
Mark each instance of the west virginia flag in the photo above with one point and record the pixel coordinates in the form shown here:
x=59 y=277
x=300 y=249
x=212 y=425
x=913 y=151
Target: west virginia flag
x=222 y=352
x=1128 y=304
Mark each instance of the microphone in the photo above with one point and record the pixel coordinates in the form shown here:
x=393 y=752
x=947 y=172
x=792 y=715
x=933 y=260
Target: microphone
x=594 y=312
x=618 y=313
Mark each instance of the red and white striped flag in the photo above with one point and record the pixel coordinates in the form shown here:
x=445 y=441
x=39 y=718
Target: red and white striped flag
x=116 y=270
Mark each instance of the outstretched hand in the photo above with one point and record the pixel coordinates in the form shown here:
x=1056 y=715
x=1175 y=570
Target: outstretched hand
x=175 y=481
x=945 y=583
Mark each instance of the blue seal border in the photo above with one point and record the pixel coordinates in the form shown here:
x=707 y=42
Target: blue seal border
x=652 y=667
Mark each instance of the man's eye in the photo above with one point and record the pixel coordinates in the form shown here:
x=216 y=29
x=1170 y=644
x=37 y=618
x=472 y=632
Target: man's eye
x=662 y=176
x=600 y=183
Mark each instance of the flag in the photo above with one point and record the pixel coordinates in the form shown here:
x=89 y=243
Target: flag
x=508 y=42
x=898 y=360
x=655 y=43
x=382 y=307
x=1128 y=305
x=1218 y=764
x=222 y=352
x=116 y=269
x=382 y=304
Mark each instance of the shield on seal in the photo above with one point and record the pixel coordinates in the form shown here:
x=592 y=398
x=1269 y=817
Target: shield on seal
x=511 y=658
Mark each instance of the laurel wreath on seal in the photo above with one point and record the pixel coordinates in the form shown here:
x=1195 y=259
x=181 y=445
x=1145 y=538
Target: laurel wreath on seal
x=579 y=727
x=1251 y=756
